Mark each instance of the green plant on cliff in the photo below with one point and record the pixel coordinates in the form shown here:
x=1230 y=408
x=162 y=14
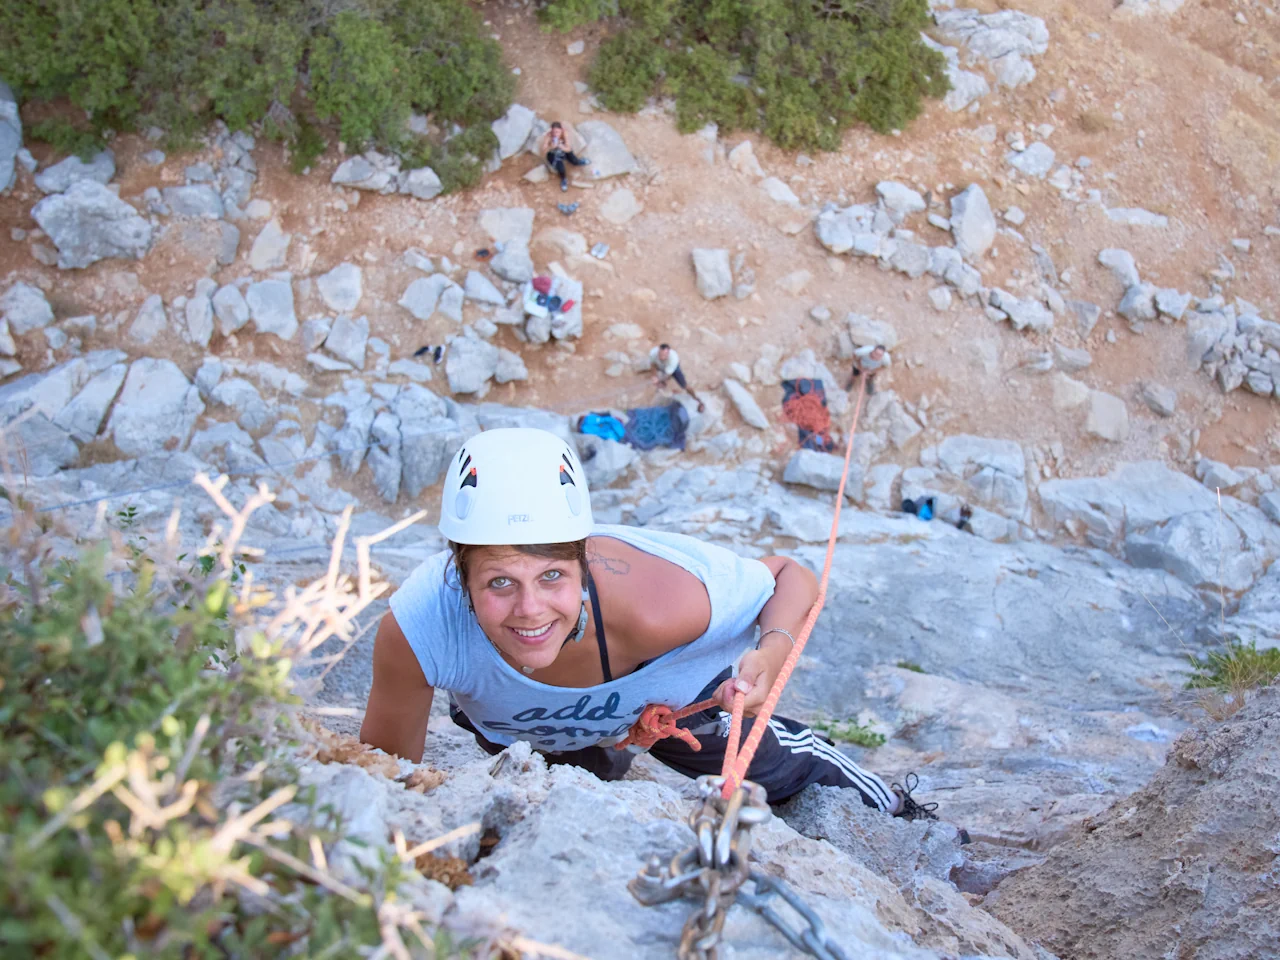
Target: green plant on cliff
x=802 y=73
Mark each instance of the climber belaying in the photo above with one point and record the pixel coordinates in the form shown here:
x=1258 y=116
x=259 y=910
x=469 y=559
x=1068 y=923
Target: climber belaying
x=548 y=628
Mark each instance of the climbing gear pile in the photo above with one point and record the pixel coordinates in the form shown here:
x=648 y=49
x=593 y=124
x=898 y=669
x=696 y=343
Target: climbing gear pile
x=911 y=808
x=804 y=403
x=717 y=866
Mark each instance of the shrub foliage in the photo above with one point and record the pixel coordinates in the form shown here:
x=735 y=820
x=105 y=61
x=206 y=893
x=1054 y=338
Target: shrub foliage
x=801 y=72
x=128 y=720
x=362 y=65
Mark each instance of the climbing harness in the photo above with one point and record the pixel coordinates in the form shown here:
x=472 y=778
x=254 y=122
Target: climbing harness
x=716 y=868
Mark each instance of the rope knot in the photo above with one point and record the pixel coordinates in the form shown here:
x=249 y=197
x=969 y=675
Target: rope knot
x=656 y=722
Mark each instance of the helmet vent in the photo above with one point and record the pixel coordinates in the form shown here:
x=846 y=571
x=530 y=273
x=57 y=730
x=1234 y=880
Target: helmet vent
x=466 y=461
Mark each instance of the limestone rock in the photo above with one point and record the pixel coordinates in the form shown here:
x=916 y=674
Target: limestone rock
x=421 y=184
x=470 y=364
x=605 y=148
x=271 y=248
x=271 y=308
x=900 y=200
x=866 y=331
x=57 y=178
x=156 y=409
x=89 y=223
x=194 y=200
x=24 y=308
x=779 y=192
x=508 y=224
x=10 y=136
x=347 y=340
x=742 y=158
x=230 y=308
x=513 y=263
x=713 y=275
x=1161 y=399
x=1108 y=417
x=512 y=130
x=150 y=321
x=341 y=288
x=421 y=297
x=823 y=471
x=82 y=417
x=972 y=223
x=199 y=313
x=372 y=171
x=1035 y=161
x=480 y=289
x=241 y=396
x=746 y=404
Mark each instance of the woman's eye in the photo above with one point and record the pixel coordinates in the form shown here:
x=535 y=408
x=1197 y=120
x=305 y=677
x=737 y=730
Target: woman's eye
x=552 y=575
x=499 y=582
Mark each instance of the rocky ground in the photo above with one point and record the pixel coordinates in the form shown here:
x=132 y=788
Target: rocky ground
x=1072 y=260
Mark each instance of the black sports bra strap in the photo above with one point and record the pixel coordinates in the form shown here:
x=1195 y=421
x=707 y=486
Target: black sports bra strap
x=599 y=621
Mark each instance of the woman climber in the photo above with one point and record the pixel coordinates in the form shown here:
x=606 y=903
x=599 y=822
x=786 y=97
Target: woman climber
x=547 y=628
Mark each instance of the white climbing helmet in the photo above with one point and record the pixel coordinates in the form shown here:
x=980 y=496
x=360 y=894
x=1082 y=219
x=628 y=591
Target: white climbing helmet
x=515 y=485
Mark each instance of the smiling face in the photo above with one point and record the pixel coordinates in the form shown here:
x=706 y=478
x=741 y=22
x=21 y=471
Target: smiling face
x=526 y=604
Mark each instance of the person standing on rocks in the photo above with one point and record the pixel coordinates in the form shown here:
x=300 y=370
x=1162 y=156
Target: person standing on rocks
x=548 y=628
x=868 y=361
x=557 y=146
x=667 y=362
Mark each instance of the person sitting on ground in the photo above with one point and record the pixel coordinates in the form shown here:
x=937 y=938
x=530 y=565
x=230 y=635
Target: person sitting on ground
x=919 y=508
x=966 y=517
x=557 y=146
x=869 y=360
x=548 y=628
x=667 y=362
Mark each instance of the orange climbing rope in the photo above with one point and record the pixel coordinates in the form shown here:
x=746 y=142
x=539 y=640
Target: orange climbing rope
x=658 y=721
x=808 y=411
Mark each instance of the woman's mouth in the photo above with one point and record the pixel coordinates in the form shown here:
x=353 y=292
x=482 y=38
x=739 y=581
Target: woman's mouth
x=533 y=635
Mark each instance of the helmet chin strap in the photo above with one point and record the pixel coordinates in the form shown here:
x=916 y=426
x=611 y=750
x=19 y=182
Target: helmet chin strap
x=576 y=634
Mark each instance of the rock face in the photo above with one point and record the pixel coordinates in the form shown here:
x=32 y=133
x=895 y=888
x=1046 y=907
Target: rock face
x=341 y=288
x=24 y=308
x=156 y=409
x=271 y=308
x=271 y=248
x=712 y=273
x=512 y=130
x=1184 y=867
x=89 y=223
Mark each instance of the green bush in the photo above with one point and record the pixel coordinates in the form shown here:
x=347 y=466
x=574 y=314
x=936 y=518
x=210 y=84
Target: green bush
x=565 y=15
x=1238 y=667
x=849 y=731
x=458 y=161
x=802 y=73
x=180 y=64
x=127 y=721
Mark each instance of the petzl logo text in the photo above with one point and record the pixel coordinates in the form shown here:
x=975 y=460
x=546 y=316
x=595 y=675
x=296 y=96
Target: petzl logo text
x=518 y=518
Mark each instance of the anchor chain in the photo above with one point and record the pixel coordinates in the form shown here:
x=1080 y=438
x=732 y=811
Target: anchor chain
x=713 y=870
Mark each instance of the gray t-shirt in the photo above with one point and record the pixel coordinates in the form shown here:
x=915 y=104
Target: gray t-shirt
x=506 y=706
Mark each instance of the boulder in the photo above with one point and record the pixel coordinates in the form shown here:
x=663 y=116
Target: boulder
x=270 y=250
x=421 y=297
x=89 y=223
x=713 y=275
x=972 y=223
x=823 y=471
x=194 y=200
x=480 y=289
x=341 y=288
x=150 y=321
x=605 y=461
x=1138 y=305
x=1023 y=313
x=513 y=263
x=230 y=308
x=156 y=409
x=1086 y=316
x=899 y=199
x=512 y=130
x=199 y=313
x=347 y=340
x=57 y=178
x=605 y=148
x=1035 y=161
x=421 y=184
x=1108 y=417
x=1161 y=399
x=371 y=171
x=470 y=364
x=746 y=404
x=510 y=366
x=867 y=331
x=271 y=308
x=47 y=448
x=25 y=308
x=1122 y=266
x=1137 y=217
x=779 y=192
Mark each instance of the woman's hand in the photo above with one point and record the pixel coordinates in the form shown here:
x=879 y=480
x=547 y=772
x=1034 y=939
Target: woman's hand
x=756 y=674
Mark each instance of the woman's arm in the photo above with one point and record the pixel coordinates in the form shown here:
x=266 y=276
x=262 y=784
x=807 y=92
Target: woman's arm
x=395 y=719
x=793 y=596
